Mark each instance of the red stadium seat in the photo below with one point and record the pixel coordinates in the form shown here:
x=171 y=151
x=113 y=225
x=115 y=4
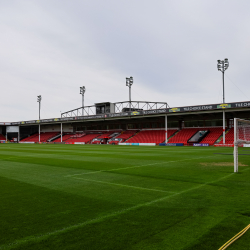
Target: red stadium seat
x=44 y=137
x=124 y=136
x=213 y=136
x=183 y=135
x=151 y=136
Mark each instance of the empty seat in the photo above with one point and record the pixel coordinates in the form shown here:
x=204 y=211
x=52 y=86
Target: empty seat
x=229 y=137
x=151 y=136
x=213 y=135
x=183 y=135
x=124 y=136
x=2 y=138
x=44 y=137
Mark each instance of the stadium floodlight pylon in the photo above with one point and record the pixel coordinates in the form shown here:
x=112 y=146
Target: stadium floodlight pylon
x=241 y=136
x=82 y=91
x=129 y=83
x=223 y=66
x=39 y=99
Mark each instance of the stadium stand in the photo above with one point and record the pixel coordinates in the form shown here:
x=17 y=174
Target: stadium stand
x=229 y=137
x=102 y=139
x=69 y=137
x=151 y=136
x=213 y=136
x=2 y=138
x=135 y=136
x=96 y=141
x=183 y=135
x=65 y=137
x=44 y=137
x=30 y=138
x=106 y=135
x=125 y=135
x=83 y=138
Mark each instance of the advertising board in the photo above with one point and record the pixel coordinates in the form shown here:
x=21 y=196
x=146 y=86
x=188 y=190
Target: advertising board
x=147 y=144
x=175 y=144
x=200 y=144
x=136 y=144
x=31 y=142
x=128 y=144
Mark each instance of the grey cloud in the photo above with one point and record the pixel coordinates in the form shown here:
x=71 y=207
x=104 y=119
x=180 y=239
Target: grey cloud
x=169 y=47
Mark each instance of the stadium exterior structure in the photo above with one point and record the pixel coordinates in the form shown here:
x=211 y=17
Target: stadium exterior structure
x=143 y=115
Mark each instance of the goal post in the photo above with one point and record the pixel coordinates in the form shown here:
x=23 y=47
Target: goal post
x=241 y=136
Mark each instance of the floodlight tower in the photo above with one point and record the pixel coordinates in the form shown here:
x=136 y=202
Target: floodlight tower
x=129 y=83
x=39 y=99
x=222 y=66
x=82 y=91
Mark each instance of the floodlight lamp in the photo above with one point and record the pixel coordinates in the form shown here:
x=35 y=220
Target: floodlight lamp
x=127 y=81
x=39 y=98
x=82 y=90
x=218 y=61
x=131 y=80
x=226 y=60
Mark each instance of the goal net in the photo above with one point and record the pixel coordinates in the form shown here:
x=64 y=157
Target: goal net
x=241 y=136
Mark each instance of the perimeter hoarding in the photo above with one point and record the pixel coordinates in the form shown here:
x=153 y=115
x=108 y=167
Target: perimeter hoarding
x=200 y=144
x=136 y=144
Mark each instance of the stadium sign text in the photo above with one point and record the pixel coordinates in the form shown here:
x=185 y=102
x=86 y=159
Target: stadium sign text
x=138 y=113
x=200 y=144
x=243 y=104
x=196 y=108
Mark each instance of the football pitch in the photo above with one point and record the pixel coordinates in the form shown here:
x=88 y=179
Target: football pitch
x=122 y=197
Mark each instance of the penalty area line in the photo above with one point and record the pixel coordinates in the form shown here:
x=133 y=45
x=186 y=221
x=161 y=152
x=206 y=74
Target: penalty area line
x=145 y=165
x=123 y=185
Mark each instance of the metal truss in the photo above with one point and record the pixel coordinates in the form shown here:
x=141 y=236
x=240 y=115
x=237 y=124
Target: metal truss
x=82 y=111
x=119 y=107
x=139 y=105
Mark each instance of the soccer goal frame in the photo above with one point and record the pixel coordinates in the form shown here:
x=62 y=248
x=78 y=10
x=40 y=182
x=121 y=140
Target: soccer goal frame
x=241 y=136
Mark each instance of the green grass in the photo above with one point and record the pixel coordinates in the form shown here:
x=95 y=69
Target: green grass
x=122 y=197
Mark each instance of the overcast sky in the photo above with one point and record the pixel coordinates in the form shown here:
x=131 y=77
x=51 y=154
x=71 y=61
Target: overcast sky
x=171 y=48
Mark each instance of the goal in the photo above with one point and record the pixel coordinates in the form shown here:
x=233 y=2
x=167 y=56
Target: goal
x=241 y=136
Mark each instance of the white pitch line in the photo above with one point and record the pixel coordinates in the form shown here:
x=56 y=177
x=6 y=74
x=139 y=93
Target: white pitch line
x=98 y=219
x=108 y=170
x=122 y=185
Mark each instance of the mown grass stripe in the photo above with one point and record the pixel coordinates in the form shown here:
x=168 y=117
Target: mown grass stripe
x=144 y=165
x=101 y=218
x=126 y=186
